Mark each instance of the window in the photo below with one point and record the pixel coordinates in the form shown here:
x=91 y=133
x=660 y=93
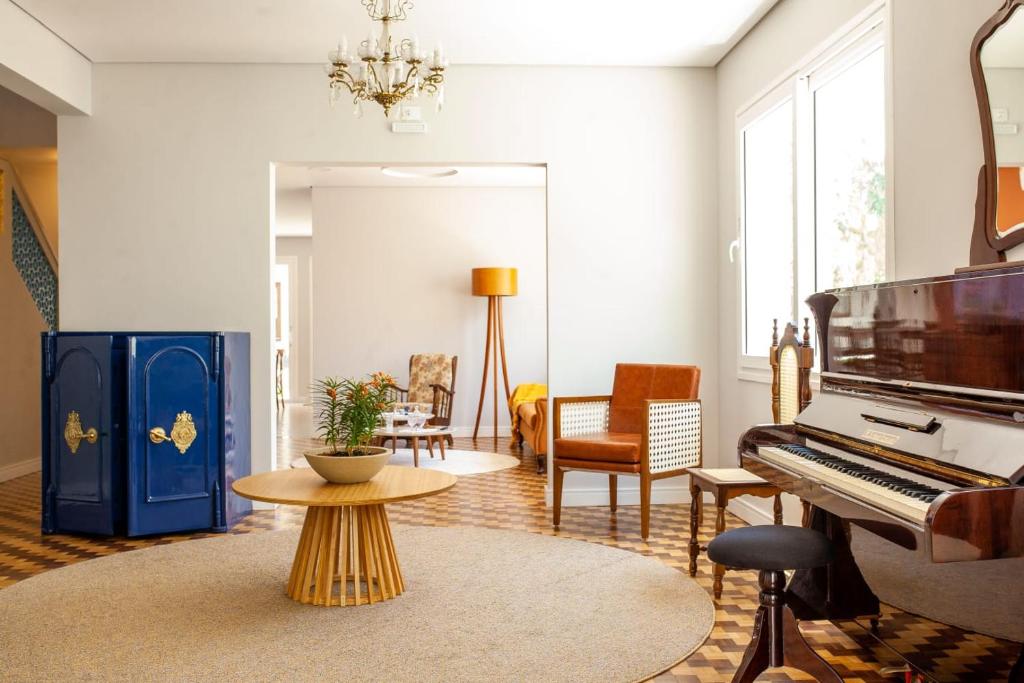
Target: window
x=768 y=240
x=812 y=186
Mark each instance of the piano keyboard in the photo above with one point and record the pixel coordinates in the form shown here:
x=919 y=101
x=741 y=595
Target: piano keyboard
x=893 y=493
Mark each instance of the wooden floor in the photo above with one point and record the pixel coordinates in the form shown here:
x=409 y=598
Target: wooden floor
x=514 y=499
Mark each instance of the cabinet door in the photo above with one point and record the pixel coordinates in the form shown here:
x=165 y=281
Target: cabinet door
x=173 y=445
x=79 y=488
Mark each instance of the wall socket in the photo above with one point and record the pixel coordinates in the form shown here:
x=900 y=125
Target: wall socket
x=1000 y=115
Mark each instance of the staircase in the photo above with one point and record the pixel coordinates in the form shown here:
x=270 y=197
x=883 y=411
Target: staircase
x=28 y=281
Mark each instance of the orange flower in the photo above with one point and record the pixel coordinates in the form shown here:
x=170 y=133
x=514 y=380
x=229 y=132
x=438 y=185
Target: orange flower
x=332 y=393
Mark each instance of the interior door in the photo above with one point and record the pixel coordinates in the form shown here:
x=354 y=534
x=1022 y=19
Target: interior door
x=172 y=443
x=80 y=487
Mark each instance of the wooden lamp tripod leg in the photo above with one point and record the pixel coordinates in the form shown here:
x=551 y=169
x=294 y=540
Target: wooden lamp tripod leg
x=487 y=359
x=495 y=338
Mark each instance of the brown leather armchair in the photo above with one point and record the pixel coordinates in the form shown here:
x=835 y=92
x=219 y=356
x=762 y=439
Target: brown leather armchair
x=649 y=427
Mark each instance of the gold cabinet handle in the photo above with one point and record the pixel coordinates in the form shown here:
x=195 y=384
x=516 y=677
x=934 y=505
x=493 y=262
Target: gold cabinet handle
x=73 y=434
x=183 y=433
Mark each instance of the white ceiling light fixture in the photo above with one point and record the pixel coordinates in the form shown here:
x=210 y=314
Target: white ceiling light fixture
x=418 y=171
x=386 y=72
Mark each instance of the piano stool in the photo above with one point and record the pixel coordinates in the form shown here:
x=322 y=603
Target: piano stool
x=772 y=549
x=724 y=484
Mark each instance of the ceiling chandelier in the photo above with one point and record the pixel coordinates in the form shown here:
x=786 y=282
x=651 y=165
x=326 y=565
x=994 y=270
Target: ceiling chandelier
x=383 y=71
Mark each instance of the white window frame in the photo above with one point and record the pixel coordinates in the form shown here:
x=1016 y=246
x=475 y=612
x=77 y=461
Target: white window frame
x=868 y=31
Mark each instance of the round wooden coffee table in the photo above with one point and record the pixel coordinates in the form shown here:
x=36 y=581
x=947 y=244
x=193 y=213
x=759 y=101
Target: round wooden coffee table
x=346 y=555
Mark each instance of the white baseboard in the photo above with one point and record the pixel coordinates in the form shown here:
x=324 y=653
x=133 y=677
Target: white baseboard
x=660 y=495
x=19 y=469
x=750 y=514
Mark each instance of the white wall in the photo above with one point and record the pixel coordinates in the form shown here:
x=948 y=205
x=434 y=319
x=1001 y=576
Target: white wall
x=392 y=278
x=937 y=152
x=298 y=251
x=937 y=135
x=172 y=229
x=293 y=212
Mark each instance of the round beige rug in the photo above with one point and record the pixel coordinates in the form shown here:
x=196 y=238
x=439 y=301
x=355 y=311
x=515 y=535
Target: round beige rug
x=480 y=605
x=456 y=462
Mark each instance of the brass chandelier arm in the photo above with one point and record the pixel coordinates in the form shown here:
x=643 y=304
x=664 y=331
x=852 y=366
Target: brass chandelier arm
x=372 y=74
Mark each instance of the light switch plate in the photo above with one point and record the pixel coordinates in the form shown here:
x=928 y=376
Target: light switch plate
x=1000 y=115
x=409 y=127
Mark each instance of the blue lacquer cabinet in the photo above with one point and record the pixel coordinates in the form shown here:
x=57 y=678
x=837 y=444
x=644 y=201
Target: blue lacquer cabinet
x=143 y=433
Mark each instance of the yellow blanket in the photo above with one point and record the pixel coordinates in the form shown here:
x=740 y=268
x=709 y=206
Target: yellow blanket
x=524 y=393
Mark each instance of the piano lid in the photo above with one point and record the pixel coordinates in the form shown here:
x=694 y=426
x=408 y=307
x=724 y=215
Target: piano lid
x=926 y=436
x=961 y=331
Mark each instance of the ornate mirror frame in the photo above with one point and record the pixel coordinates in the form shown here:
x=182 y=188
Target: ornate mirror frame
x=987 y=246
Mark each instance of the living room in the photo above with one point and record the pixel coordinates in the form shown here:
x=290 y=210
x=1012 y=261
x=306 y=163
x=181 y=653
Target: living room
x=228 y=239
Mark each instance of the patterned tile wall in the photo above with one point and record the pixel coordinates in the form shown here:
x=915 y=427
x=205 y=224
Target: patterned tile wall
x=32 y=263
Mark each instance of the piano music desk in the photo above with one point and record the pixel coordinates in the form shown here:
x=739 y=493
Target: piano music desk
x=724 y=484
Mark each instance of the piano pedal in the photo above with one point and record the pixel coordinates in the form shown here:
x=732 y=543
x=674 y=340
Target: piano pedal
x=905 y=671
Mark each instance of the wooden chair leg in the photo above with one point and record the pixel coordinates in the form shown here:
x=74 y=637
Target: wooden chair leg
x=556 y=503
x=613 y=490
x=695 y=496
x=645 y=505
x=430 y=446
x=718 y=569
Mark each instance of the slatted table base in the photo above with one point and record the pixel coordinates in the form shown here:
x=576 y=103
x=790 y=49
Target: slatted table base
x=353 y=542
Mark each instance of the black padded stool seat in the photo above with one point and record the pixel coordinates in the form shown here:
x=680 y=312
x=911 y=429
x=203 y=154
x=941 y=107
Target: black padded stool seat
x=774 y=547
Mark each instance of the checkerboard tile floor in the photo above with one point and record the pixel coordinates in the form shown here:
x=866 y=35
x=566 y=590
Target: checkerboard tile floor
x=514 y=499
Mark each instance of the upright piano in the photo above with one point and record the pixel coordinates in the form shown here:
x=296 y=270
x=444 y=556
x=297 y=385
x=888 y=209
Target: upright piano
x=917 y=434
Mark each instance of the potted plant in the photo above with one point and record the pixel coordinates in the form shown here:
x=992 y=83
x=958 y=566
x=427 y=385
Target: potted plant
x=349 y=412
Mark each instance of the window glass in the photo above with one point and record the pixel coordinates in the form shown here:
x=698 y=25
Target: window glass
x=849 y=175
x=768 y=225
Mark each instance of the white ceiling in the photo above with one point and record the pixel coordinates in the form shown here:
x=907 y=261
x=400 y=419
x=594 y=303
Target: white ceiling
x=293 y=177
x=535 y=32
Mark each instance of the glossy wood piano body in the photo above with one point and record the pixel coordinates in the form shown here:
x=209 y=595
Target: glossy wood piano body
x=922 y=381
x=948 y=353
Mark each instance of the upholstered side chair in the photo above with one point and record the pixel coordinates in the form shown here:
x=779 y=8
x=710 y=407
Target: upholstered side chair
x=649 y=427
x=431 y=386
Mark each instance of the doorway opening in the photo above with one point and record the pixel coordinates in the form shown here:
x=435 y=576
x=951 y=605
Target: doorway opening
x=373 y=271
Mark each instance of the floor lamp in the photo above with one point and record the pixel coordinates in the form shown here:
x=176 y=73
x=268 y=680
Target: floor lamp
x=494 y=283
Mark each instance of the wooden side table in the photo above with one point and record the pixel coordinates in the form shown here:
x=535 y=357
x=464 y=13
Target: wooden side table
x=346 y=555
x=724 y=484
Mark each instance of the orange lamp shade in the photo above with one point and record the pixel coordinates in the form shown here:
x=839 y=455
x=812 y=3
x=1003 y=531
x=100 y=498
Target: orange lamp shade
x=495 y=282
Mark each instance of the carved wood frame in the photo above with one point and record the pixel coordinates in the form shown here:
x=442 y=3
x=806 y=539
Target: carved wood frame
x=986 y=244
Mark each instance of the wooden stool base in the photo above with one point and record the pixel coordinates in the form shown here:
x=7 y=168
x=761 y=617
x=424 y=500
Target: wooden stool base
x=353 y=542
x=777 y=640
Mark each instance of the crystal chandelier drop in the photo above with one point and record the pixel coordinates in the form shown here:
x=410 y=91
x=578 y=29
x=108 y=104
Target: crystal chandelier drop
x=383 y=71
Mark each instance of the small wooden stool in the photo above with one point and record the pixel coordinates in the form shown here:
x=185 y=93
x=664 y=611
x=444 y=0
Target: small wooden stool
x=724 y=484
x=772 y=550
